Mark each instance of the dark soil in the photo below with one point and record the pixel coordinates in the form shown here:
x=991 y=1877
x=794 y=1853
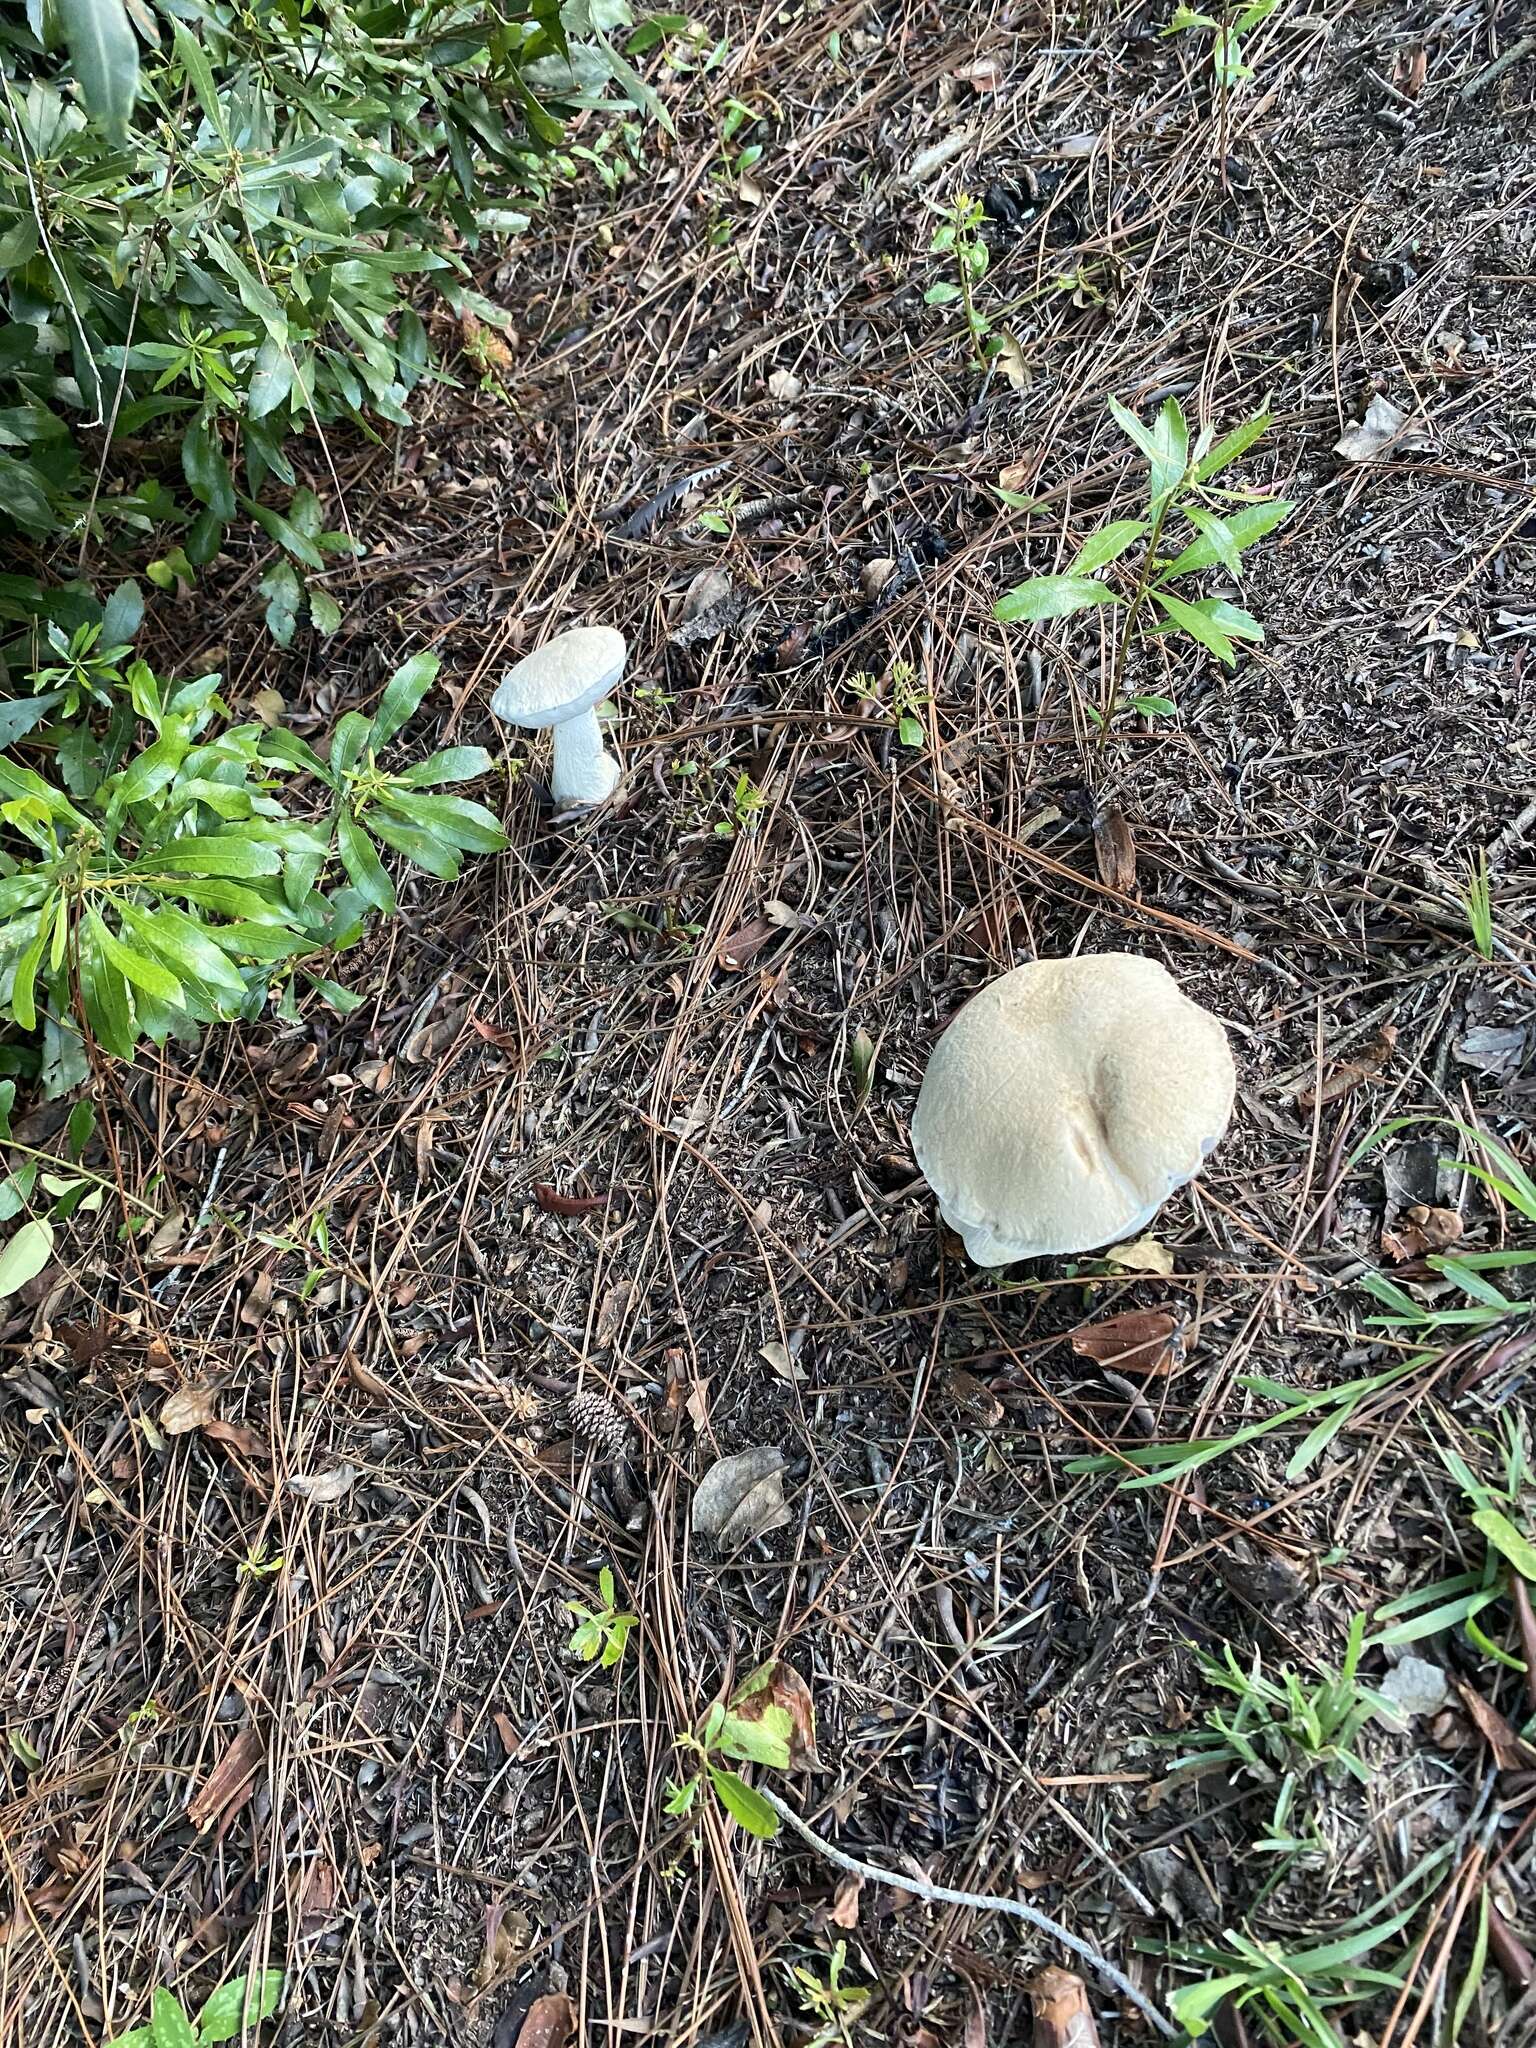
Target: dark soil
x=597 y=1127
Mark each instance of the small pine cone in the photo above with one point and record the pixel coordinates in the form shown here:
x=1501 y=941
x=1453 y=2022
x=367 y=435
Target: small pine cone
x=599 y=1422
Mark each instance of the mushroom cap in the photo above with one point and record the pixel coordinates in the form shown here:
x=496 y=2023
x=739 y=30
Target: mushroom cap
x=566 y=675
x=1065 y=1104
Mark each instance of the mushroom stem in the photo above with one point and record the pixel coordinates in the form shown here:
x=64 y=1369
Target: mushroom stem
x=584 y=771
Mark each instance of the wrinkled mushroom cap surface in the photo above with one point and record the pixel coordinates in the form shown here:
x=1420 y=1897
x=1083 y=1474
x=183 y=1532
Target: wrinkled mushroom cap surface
x=1065 y=1104
x=567 y=674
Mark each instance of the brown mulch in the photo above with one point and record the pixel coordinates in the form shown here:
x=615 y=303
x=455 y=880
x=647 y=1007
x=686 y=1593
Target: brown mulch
x=596 y=1129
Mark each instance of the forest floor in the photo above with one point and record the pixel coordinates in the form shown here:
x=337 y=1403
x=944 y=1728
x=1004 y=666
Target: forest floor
x=609 y=1175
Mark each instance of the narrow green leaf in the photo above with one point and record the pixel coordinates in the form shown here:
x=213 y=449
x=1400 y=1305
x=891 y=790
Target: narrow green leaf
x=453 y=818
x=231 y=855
x=1194 y=620
x=148 y=975
x=271 y=376
x=1220 y=536
x=25 y=1254
x=23 y=983
x=105 y=54
x=1508 y=1541
x=205 y=468
x=200 y=72
x=1051 y=597
x=182 y=944
x=364 y=868
x=453 y=764
x=1246 y=524
x=402 y=697
x=285 y=533
x=324 y=611
x=1230 y=446
x=1107 y=545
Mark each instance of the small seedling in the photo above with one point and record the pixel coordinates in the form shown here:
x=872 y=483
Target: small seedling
x=831 y=2003
x=1285 y=1726
x=725 y=1731
x=902 y=704
x=234 y=2011
x=600 y=1633
x=1226 y=31
x=1148 y=707
x=958 y=236
x=1477 y=902
x=1181 y=486
x=746 y=802
x=260 y=1563
x=1289 y=1994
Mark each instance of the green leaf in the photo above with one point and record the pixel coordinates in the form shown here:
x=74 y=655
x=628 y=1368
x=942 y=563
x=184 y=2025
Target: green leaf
x=229 y=854
x=1220 y=536
x=941 y=294
x=453 y=764
x=1194 y=2005
x=1107 y=545
x=200 y=72
x=136 y=2037
x=284 y=593
x=1051 y=597
x=1196 y=621
x=402 y=696
x=1246 y=525
x=453 y=818
x=364 y=869
x=206 y=471
x=81 y=1126
x=750 y=1808
x=764 y=1740
x=1170 y=442
x=1508 y=1541
x=629 y=82
x=168 y=2021
x=105 y=54
x=324 y=611
x=108 y=1009
x=23 y=1000
x=348 y=741
x=183 y=945
x=420 y=846
x=122 y=614
x=149 y=975
x=271 y=375
x=1231 y=446
x=25 y=1255
x=285 y=533
x=242 y=2002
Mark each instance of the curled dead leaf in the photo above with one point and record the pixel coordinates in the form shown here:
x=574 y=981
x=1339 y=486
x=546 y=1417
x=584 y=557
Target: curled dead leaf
x=553 y=1203
x=1148 y=1341
x=1511 y=1751
x=1114 y=849
x=1349 y=1074
x=324 y=1489
x=1063 y=2016
x=1423 y=1229
x=741 y=1497
x=845 y=1903
x=778 y=1684
x=550 y=2023
x=187 y=1409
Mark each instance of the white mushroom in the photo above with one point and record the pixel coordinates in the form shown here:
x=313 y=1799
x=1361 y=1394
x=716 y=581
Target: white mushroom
x=560 y=685
x=1065 y=1104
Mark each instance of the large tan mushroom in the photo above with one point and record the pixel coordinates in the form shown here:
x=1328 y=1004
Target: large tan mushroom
x=1065 y=1104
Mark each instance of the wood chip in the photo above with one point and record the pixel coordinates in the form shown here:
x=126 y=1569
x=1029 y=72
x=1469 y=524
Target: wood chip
x=1144 y=1341
x=228 y=1785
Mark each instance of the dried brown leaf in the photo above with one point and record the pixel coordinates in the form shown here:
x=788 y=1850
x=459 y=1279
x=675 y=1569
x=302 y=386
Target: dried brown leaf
x=972 y=1397
x=779 y=1684
x=1148 y=1341
x=741 y=1497
x=845 y=1903
x=187 y=1409
x=238 y=1436
x=556 y=1204
x=1063 y=2016
x=1143 y=1255
x=229 y=1783
x=324 y=1489
x=739 y=947
x=1349 y=1074
x=1114 y=849
x=1511 y=1752
x=551 y=2023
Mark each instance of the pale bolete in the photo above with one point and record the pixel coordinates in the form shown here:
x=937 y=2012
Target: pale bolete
x=1065 y=1104
x=559 y=685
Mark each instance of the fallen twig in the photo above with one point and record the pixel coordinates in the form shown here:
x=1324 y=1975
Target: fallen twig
x=980 y=1902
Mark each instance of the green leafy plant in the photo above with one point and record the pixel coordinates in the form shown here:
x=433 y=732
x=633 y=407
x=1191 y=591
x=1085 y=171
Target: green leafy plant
x=169 y=887
x=1284 y=1725
x=237 y=2007
x=1289 y=1994
x=745 y=803
x=49 y=1188
x=1504 y=1515
x=902 y=703
x=213 y=228
x=726 y=1732
x=1226 y=31
x=1181 y=487
x=601 y=1633
x=1477 y=902
x=260 y=1562
x=959 y=237
x=833 y=2005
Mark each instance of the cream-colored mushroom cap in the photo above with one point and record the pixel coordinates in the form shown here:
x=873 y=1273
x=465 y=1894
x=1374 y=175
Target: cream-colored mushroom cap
x=565 y=676
x=1065 y=1104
